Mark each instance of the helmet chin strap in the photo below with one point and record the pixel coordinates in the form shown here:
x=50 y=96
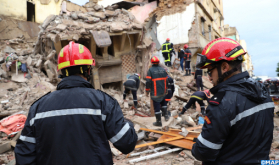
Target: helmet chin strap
x=224 y=75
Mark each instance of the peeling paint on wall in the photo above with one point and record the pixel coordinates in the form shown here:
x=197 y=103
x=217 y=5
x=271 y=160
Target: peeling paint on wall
x=176 y=26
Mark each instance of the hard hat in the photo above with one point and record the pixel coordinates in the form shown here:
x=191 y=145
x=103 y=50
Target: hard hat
x=207 y=92
x=137 y=74
x=220 y=49
x=74 y=54
x=185 y=46
x=155 y=60
x=168 y=39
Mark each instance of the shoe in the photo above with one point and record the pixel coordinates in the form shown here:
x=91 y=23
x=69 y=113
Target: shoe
x=166 y=115
x=158 y=120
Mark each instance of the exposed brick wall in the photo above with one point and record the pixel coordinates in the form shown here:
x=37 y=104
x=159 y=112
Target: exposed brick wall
x=128 y=65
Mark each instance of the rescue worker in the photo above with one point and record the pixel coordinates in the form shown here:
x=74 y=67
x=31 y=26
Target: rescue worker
x=187 y=58
x=181 y=57
x=167 y=48
x=238 y=126
x=198 y=96
x=156 y=84
x=198 y=78
x=170 y=90
x=132 y=84
x=73 y=124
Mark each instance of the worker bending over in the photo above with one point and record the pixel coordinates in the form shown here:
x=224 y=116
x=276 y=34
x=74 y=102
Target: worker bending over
x=198 y=96
x=132 y=84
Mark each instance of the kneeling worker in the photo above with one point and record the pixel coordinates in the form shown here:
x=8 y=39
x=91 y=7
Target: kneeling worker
x=198 y=96
x=132 y=84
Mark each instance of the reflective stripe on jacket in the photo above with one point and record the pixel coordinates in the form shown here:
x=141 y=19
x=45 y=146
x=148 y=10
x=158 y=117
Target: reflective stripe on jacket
x=156 y=83
x=238 y=126
x=73 y=125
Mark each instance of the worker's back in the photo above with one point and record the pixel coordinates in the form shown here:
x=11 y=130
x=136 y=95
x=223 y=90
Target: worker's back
x=73 y=125
x=239 y=125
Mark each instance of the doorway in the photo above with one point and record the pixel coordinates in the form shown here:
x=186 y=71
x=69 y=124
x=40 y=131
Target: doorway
x=30 y=12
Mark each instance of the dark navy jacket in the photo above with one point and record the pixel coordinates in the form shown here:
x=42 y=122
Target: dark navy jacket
x=171 y=89
x=188 y=54
x=239 y=124
x=72 y=126
x=181 y=53
x=156 y=83
x=132 y=83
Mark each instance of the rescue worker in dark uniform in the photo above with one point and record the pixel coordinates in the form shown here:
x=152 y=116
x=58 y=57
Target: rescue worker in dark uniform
x=198 y=78
x=198 y=96
x=73 y=124
x=170 y=90
x=181 y=55
x=167 y=48
x=132 y=84
x=156 y=84
x=238 y=126
x=187 y=58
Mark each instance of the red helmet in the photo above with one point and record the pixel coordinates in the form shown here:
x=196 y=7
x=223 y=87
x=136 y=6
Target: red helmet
x=220 y=49
x=207 y=92
x=73 y=55
x=185 y=46
x=168 y=39
x=155 y=60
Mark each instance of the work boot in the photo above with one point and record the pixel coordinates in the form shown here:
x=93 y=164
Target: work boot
x=186 y=74
x=166 y=115
x=189 y=73
x=158 y=120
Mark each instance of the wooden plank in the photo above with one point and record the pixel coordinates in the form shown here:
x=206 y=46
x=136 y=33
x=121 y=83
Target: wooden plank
x=93 y=47
x=5 y=147
x=96 y=79
x=122 y=42
x=105 y=53
x=158 y=142
x=109 y=62
x=183 y=143
x=137 y=39
x=110 y=74
x=190 y=136
x=193 y=128
x=58 y=46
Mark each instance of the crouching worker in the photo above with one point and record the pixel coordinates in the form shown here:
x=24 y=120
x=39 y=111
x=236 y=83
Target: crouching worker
x=74 y=124
x=198 y=96
x=156 y=84
x=132 y=84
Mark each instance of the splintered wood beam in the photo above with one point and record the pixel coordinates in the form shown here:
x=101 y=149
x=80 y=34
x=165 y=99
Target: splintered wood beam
x=93 y=47
x=158 y=142
x=105 y=53
x=122 y=42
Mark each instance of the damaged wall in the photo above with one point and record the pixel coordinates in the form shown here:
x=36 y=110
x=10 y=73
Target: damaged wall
x=176 y=26
x=14 y=8
x=142 y=12
x=18 y=9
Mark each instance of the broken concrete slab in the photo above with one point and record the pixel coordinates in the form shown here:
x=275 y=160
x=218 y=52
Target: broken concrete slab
x=98 y=7
x=74 y=15
x=61 y=27
x=98 y=14
x=8 y=49
x=116 y=27
x=51 y=54
x=18 y=78
x=92 y=20
x=47 y=21
x=109 y=13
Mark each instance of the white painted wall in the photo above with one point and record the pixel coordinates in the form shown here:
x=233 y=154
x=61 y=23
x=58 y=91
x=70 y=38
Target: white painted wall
x=175 y=27
x=106 y=3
